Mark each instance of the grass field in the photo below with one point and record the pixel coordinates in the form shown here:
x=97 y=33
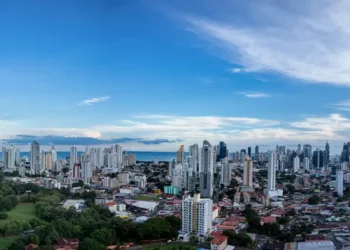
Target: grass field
x=147 y=198
x=6 y=242
x=23 y=212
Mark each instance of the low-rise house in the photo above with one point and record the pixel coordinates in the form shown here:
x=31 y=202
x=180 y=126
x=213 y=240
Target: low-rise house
x=268 y=219
x=66 y=244
x=219 y=243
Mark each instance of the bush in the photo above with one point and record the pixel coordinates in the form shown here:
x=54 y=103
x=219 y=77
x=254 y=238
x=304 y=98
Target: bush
x=3 y=216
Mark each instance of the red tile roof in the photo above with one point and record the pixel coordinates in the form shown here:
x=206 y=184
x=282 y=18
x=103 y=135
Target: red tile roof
x=219 y=240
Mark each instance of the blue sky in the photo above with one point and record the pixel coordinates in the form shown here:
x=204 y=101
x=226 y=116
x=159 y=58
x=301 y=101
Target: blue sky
x=247 y=72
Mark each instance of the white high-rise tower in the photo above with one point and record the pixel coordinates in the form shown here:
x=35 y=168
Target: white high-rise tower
x=73 y=157
x=340 y=183
x=248 y=173
x=296 y=163
x=272 y=171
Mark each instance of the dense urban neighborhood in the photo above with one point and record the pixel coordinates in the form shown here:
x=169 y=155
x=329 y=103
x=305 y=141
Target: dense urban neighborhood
x=205 y=198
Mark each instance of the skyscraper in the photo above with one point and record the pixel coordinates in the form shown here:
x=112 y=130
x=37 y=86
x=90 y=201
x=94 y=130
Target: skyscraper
x=11 y=157
x=307 y=150
x=48 y=161
x=340 y=183
x=53 y=157
x=18 y=156
x=5 y=156
x=306 y=164
x=194 y=152
x=299 y=149
x=296 y=164
x=222 y=151
x=206 y=168
x=248 y=173
x=197 y=215
x=271 y=186
x=327 y=154
x=180 y=155
x=73 y=157
x=100 y=157
x=86 y=170
x=250 y=152
x=256 y=150
x=35 y=157
x=226 y=173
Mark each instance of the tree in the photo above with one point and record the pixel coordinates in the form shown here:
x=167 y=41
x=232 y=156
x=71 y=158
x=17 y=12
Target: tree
x=282 y=220
x=194 y=239
x=104 y=236
x=3 y=216
x=314 y=200
x=174 y=221
x=90 y=244
x=291 y=212
x=253 y=220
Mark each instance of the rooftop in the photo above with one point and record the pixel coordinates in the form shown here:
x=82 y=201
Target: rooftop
x=219 y=240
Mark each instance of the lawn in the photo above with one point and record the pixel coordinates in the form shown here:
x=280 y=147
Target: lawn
x=23 y=212
x=6 y=242
x=147 y=198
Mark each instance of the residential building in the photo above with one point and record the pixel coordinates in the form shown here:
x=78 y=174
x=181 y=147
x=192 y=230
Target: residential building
x=296 y=164
x=248 y=173
x=206 y=170
x=272 y=165
x=340 y=183
x=73 y=158
x=180 y=155
x=218 y=243
x=86 y=169
x=306 y=164
x=48 y=161
x=124 y=178
x=35 y=157
x=197 y=215
x=226 y=172
x=171 y=190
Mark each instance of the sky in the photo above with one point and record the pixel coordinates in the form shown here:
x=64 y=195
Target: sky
x=152 y=75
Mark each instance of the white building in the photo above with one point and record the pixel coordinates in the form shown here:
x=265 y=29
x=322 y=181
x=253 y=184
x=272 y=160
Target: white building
x=197 y=215
x=248 y=173
x=340 y=183
x=296 y=164
x=86 y=170
x=100 y=157
x=272 y=171
x=18 y=156
x=124 y=178
x=226 y=173
x=306 y=163
x=35 y=157
x=73 y=157
x=206 y=170
x=53 y=157
x=11 y=157
x=194 y=153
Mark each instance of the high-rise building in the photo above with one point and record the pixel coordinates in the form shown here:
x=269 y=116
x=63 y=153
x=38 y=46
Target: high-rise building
x=197 y=215
x=226 y=173
x=18 y=156
x=222 y=151
x=73 y=156
x=306 y=164
x=248 y=173
x=100 y=157
x=256 y=150
x=194 y=152
x=271 y=172
x=307 y=150
x=75 y=171
x=42 y=160
x=11 y=163
x=5 y=156
x=35 y=157
x=86 y=170
x=296 y=164
x=340 y=183
x=299 y=149
x=250 y=152
x=327 y=154
x=53 y=157
x=206 y=170
x=48 y=161
x=180 y=155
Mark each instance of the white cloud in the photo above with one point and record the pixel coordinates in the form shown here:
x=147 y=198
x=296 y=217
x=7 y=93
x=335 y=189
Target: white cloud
x=94 y=100
x=255 y=94
x=238 y=132
x=308 y=42
x=343 y=106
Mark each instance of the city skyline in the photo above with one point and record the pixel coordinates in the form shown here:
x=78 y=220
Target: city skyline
x=177 y=75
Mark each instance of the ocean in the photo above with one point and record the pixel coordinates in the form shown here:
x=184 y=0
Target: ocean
x=140 y=156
